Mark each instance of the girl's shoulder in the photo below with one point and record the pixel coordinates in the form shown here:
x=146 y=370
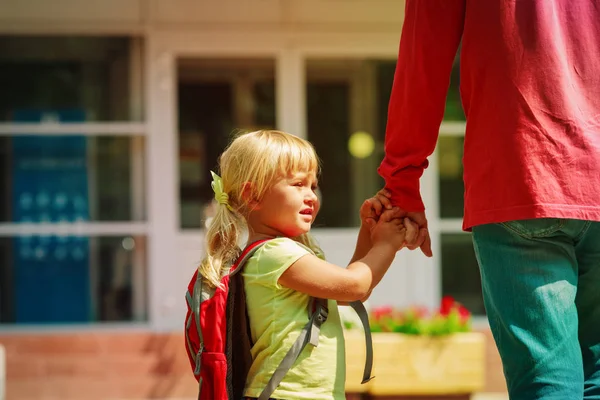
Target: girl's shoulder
x=272 y=259
x=281 y=246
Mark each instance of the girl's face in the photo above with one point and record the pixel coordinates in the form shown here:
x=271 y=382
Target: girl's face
x=288 y=208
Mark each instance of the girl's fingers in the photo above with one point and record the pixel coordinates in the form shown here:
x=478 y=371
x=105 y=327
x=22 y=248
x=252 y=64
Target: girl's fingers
x=376 y=205
x=366 y=207
x=388 y=215
x=412 y=232
x=384 y=200
x=420 y=240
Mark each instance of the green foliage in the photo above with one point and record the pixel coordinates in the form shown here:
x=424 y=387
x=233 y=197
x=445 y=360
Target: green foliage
x=450 y=318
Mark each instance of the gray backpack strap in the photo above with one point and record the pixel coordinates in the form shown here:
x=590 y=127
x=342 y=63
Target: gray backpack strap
x=242 y=262
x=196 y=301
x=309 y=334
x=188 y=322
x=359 y=307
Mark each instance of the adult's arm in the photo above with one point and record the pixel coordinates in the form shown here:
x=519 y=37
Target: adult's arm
x=431 y=34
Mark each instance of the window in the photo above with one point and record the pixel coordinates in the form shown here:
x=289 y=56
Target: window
x=84 y=278
x=72 y=149
x=345 y=98
x=460 y=272
x=452 y=187
x=71 y=178
x=90 y=74
x=216 y=97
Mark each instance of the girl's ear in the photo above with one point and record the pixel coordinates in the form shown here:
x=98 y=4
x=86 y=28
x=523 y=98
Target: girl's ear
x=248 y=195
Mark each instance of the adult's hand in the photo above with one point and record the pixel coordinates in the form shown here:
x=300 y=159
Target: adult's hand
x=423 y=240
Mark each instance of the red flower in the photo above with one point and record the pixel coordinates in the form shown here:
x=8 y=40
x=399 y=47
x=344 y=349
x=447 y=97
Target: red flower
x=464 y=313
x=384 y=311
x=448 y=304
x=451 y=317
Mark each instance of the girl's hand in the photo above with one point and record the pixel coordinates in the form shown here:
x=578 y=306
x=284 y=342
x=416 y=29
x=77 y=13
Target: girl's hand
x=372 y=208
x=389 y=230
x=395 y=231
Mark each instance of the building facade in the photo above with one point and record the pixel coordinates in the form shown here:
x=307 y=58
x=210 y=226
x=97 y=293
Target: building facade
x=112 y=114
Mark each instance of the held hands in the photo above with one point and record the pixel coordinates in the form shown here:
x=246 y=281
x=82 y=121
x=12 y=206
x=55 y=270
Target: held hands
x=417 y=235
x=392 y=230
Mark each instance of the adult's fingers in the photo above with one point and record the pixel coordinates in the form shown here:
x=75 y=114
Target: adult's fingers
x=426 y=246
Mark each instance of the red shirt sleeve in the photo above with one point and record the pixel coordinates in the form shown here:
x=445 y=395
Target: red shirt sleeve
x=430 y=37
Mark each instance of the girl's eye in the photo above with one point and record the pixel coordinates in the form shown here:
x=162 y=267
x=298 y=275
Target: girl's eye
x=314 y=188
x=299 y=184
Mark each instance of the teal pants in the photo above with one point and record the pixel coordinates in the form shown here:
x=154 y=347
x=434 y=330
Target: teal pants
x=541 y=289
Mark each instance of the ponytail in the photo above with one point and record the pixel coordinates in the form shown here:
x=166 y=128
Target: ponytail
x=222 y=248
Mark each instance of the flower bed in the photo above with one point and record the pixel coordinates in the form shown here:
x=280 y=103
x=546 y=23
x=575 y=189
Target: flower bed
x=417 y=352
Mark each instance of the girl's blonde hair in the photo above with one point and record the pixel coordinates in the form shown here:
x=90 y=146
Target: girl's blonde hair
x=258 y=159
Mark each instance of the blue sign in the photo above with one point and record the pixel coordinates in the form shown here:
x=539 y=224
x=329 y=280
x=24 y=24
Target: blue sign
x=50 y=185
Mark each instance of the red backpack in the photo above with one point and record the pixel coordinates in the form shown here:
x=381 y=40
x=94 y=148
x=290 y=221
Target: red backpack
x=218 y=340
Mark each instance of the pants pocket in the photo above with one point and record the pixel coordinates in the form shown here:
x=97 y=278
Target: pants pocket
x=535 y=228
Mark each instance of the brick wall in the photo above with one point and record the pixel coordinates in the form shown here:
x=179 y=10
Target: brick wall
x=97 y=366
x=128 y=365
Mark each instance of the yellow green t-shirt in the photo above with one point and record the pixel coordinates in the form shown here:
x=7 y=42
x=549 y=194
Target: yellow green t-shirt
x=277 y=315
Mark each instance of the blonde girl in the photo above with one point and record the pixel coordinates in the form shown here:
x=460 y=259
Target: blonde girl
x=267 y=189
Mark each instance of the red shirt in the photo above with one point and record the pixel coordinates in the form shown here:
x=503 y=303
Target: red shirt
x=530 y=88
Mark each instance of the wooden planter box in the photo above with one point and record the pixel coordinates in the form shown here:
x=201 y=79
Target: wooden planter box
x=417 y=365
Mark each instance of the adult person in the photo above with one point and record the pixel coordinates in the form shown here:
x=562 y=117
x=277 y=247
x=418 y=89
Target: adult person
x=530 y=89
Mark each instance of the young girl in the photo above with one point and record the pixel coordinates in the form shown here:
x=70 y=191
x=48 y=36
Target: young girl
x=268 y=185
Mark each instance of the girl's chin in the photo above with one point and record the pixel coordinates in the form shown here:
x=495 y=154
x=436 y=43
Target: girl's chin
x=298 y=232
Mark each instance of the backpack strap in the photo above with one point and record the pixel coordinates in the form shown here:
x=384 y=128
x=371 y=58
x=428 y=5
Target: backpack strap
x=246 y=254
x=309 y=334
x=188 y=323
x=361 y=311
x=194 y=300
